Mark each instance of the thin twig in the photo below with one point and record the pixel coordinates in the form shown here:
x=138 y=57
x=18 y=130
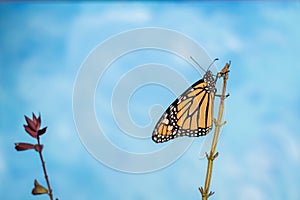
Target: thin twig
x=45 y=172
x=218 y=123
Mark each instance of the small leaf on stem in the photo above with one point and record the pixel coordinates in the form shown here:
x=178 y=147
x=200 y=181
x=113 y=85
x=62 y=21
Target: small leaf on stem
x=38 y=189
x=42 y=131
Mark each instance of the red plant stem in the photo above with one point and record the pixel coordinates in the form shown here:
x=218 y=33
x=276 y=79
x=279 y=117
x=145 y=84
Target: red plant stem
x=45 y=172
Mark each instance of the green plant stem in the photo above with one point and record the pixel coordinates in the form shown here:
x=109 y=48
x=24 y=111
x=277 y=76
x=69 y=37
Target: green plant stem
x=45 y=171
x=218 y=123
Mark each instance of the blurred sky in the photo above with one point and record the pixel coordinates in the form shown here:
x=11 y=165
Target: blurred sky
x=42 y=46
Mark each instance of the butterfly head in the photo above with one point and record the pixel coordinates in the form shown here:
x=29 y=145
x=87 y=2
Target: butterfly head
x=208 y=77
x=210 y=81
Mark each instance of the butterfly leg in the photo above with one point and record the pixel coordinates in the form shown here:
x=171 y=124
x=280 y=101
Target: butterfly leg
x=224 y=72
x=216 y=123
x=221 y=96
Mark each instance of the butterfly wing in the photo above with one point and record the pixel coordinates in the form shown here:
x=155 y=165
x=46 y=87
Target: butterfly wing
x=189 y=115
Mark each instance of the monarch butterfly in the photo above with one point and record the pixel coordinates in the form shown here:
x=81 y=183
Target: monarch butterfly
x=191 y=114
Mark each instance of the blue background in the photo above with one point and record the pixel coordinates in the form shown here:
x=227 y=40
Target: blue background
x=42 y=46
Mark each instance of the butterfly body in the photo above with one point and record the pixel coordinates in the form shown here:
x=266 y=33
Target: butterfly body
x=190 y=114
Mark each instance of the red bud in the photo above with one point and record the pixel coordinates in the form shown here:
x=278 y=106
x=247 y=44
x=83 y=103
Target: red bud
x=24 y=146
x=30 y=131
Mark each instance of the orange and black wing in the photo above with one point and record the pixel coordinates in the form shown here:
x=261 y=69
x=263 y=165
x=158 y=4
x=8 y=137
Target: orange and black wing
x=191 y=114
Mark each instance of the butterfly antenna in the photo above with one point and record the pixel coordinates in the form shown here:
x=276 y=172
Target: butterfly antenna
x=202 y=67
x=212 y=62
x=197 y=63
